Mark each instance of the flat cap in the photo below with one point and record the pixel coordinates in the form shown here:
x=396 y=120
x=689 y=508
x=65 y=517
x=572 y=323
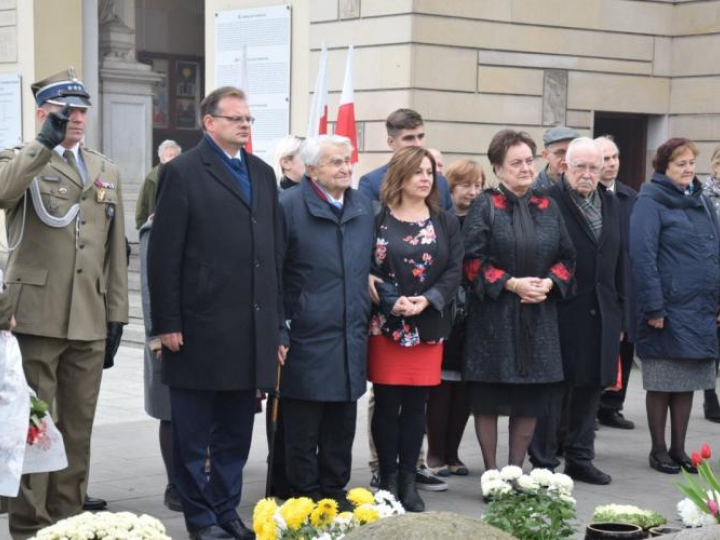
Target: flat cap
x=63 y=89
x=559 y=133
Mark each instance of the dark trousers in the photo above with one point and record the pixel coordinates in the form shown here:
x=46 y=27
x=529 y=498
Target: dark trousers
x=613 y=401
x=221 y=422
x=398 y=426
x=581 y=404
x=318 y=446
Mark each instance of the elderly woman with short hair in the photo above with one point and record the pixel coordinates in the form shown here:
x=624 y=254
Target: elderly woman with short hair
x=674 y=252
x=327 y=237
x=519 y=261
x=447 y=408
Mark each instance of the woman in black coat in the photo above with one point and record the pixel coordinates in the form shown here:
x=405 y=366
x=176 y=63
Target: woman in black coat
x=674 y=253
x=327 y=235
x=519 y=261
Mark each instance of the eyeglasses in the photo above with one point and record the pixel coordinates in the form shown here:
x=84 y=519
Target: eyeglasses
x=236 y=119
x=592 y=169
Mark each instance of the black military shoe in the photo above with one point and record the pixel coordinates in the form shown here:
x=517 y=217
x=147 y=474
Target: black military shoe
x=92 y=504
x=237 y=529
x=711 y=406
x=587 y=473
x=615 y=419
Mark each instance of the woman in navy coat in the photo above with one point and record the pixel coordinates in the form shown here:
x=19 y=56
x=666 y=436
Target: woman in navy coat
x=674 y=253
x=327 y=238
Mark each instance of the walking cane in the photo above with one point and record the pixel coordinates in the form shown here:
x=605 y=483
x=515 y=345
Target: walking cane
x=273 y=430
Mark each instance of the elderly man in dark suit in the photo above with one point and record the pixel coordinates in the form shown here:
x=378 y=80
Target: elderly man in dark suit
x=214 y=296
x=591 y=321
x=611 y=402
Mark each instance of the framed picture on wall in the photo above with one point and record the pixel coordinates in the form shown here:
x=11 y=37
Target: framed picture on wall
x=186 y=79
x=186 y=113
x=161 y=109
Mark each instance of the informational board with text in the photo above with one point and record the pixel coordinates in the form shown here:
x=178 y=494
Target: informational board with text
x=252 y=51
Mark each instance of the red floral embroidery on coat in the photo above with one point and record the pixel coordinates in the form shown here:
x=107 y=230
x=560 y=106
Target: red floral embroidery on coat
x=560 y=271
x=492 y=274
x=499 y=200
x=541 y=202
x=471 y=269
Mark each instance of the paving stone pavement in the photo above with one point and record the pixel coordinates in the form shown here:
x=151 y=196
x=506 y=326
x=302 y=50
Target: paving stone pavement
x=127 y=469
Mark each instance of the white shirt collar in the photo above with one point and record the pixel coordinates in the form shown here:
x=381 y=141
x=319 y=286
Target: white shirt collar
x=336 y=202
x=60 y=149
x=236 y=156
x=611 y=187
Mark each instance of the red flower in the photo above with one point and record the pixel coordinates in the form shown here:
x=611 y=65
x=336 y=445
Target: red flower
x=560 y=271
x=492 y=274
x=472 y=267
x=541 y=202
x=705 y=451
x=696 y=459
x=499 y=200
x=418 y=271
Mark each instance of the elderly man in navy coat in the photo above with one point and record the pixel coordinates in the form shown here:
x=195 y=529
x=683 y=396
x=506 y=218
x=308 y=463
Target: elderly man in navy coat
x=215 y=305
x=327 y=236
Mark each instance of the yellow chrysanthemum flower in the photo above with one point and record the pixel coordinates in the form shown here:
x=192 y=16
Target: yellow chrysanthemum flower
x=359 y=496
x=296 y=511
x=263 y=521
x=366 y=514
x=324 y=513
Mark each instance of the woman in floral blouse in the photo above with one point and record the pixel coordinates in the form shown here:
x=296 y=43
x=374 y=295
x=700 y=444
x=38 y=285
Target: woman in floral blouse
x=418 y=255
x=519 y=260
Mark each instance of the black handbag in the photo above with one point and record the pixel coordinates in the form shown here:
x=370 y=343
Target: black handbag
x=434 y=325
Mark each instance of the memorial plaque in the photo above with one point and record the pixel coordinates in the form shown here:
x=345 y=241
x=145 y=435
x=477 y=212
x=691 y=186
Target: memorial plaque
x=252 y=51
x=8 y=44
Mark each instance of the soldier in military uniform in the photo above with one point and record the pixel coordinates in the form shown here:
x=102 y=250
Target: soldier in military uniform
x=67 y=280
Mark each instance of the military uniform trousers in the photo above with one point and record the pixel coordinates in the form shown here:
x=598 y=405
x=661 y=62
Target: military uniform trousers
x=66 y=374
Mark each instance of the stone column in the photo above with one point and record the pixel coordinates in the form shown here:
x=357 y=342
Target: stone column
x=126 y=86
x=90 y=67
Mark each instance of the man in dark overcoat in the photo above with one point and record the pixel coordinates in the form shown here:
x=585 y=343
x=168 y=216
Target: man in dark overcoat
x=215 y=305
x=612 y=401
x=591 y=321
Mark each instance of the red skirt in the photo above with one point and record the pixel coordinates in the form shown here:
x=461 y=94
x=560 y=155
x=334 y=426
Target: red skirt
x=389 y=363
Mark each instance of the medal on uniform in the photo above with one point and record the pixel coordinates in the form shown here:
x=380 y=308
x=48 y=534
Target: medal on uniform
x=101 y=195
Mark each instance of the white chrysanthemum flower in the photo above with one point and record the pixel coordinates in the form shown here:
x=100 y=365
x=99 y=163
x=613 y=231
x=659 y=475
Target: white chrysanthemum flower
x=489 y=475
x=562 y=482
x=692 y=516
x=542 y=476
x=495 y=487
x=527 y=483
x=568 y=498
x=384 y=496
x=510 y=473
x=279 y=520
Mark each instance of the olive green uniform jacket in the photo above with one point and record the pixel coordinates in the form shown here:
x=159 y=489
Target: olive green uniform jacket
x=64 y=282
x=147 y=199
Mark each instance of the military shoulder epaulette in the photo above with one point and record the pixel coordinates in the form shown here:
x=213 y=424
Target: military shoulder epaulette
x=92 y=151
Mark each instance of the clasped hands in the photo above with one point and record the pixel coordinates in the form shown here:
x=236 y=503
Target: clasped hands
x=409 y=306
x=531 y=290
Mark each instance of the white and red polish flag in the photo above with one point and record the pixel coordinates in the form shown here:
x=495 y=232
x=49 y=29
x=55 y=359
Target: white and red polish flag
x=244 y=85
x=317 y=123
x=345 y=124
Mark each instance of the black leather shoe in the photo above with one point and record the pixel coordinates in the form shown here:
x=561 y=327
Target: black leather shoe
x=237 y=529
x=92 y=504
x=211 y=533
x=615 y=419
x=587 y=473
x=684 y=462
x=663 y=463
x=711 y=406
x=172 y=499
x=409 y=496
